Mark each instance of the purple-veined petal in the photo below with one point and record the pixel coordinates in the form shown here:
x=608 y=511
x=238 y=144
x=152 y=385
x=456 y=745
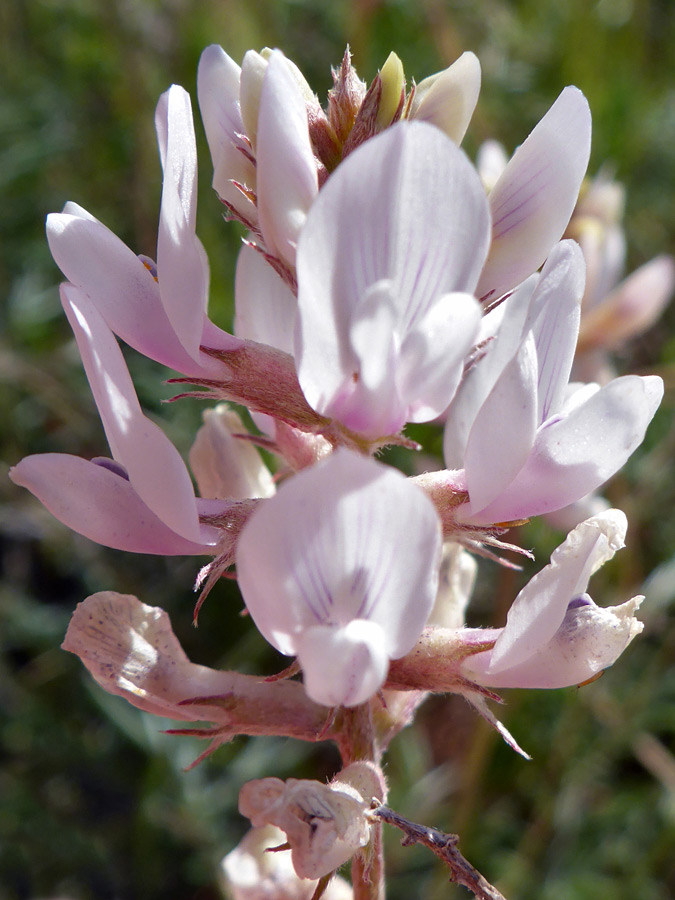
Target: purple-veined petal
x=449 y=98
x=539 y=609
x=121 y=287
x=533 y=200
x=287 y=179
x=96 y=501
x=504 y=429
x=364 y=545
x=556 y=310
x=182 y=270
x=265 y=307
x=151 y=460
x=414 y=179
x=575 y=454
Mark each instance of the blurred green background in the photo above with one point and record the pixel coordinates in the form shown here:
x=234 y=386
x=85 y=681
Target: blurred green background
x=94 y=802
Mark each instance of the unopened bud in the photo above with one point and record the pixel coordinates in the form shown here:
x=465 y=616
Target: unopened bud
x=448 y=98
x=226 y=465
x=393 y=89
x=455 y=584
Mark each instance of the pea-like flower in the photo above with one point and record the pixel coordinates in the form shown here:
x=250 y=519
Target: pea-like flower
x=555 y=635
x=387 y=264
x=121 y=502
x=340 y=568
x=529 y=441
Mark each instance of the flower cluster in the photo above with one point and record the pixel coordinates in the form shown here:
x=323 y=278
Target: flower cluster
x=384 y=279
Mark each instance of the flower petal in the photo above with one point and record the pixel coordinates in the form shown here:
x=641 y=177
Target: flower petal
x=287 y=179
x=631 y=308
x=539 y=609
x=218 y=78
x=121 y=287
x=250 y=872
x=225 y=464
x=182 y=269
x=533 y=200
x=265 y=308
x=575 y=454
x=141 y=446
x=449 y=98
x=491 y=162
x=130 y=650
x=415 y=180
x=343 y=666
x=433 y=355
x=504 y=429
x=590 y=639
x=556 y=308
x=98 y=502
x=325 y=824
x=365 y=545
x=501 y=345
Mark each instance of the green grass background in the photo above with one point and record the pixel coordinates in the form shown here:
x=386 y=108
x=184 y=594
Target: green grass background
x=94 y=802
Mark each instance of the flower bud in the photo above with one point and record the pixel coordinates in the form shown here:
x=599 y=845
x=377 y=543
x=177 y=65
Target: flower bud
x=448 y=98
x=455 y=583
x=393 y=87
x=226 y=465
x=252 y=871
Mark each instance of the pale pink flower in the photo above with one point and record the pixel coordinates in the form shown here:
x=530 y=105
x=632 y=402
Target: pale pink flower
x=124 y=502
x=340 y=569
x=159 y=311
x=387 y=265
x=528 y=442
x=555 y=635
x=267 y=105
